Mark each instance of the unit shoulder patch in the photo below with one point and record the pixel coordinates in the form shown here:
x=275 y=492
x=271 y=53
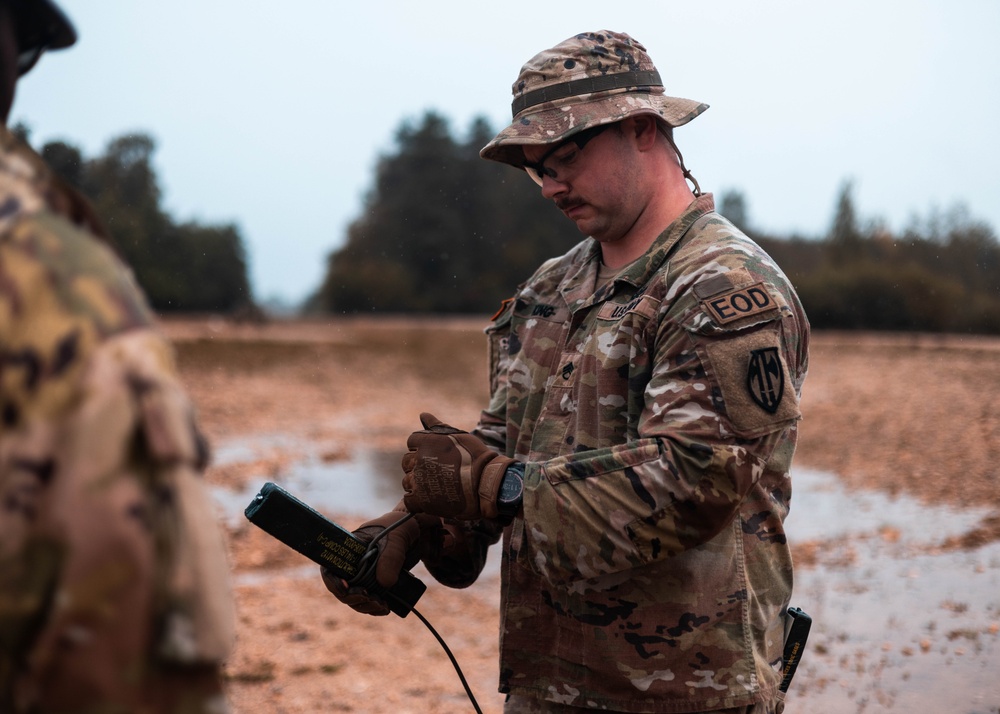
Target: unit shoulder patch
x=753 y=379
x=766 y=379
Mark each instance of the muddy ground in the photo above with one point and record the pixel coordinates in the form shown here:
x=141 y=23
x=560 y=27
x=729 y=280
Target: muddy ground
x=899 y=558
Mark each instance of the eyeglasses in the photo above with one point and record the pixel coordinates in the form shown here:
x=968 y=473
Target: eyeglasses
x=29 y=58
x=562 y=164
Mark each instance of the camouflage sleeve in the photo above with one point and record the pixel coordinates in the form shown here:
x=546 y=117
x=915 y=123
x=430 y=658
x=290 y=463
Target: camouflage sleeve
x=492 y=426
x=698 y=447
x=113 y=569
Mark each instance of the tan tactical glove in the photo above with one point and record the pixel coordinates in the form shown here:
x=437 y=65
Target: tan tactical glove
x=400 y=550
x=450 y=473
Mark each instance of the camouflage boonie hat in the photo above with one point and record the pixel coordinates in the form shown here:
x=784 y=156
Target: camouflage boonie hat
x=591 y=79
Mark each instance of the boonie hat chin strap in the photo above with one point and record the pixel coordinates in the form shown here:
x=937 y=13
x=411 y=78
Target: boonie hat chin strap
x=687 y=174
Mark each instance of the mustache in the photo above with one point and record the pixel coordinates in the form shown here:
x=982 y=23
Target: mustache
x=565 y=203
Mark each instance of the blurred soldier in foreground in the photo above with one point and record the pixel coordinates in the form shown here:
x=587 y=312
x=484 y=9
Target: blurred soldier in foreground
x=644 y=400
x=114 y=592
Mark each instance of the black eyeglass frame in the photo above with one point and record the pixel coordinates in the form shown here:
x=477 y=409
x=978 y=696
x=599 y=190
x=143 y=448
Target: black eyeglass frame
x=40 y=25
x=28 y=58
x=537 y=169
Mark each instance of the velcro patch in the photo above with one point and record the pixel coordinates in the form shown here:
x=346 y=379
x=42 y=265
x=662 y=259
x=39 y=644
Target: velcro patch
x=643 y=304
x=754 y=380
x=503 y=308
x=739 y=303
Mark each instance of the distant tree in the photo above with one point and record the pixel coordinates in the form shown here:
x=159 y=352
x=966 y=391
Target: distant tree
x=66 y=160
x=733 y=205
x=797 y=256
x=186 y=267
x=938 y=276
x=882 y=296
x=124 y=189
x=215 y=258
x=441 y=230
x=845 y=237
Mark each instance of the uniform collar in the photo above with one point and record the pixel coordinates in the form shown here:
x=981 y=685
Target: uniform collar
x=578 y=287
x=641 y=270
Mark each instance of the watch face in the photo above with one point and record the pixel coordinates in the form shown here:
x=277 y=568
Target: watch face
x=510 y=487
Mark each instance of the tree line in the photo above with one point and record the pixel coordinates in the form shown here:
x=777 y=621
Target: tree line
x=938 y=275
x=181 y=266
x=443 y=231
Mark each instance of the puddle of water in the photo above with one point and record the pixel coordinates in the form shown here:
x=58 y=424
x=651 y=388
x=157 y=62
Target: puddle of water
x=822 y=508
x=352 y=490
x=897 y=626
x=358 y=488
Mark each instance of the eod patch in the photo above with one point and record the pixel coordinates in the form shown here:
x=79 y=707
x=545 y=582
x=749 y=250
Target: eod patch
x=739 y=303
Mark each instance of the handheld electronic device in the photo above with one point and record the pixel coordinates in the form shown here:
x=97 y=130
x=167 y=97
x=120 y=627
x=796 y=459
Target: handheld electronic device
x=315 y=536
x=795 y=641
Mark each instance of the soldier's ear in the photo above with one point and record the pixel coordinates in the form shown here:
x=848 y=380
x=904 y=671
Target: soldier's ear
x=642 y=129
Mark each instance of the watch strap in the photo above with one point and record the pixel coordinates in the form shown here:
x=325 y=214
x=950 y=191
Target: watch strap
x=489 y=485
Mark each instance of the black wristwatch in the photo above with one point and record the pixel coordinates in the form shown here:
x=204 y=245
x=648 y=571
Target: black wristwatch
x=511 y=490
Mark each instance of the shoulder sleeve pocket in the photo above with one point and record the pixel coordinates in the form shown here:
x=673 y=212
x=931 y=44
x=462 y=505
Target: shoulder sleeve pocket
x=747 y=360
x=753 y=377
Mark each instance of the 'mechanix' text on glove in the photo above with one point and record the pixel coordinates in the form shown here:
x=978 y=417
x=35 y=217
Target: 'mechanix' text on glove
x=450 y=473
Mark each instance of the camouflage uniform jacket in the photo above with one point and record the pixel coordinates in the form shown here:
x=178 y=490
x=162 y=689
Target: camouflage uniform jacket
x=657 y=417
x=114 y=591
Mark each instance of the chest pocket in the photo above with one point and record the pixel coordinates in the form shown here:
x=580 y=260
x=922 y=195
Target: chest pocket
x=738 y=330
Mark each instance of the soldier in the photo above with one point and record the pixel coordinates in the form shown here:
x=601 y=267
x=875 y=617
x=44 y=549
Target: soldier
x=114 y=591
x=644 y=399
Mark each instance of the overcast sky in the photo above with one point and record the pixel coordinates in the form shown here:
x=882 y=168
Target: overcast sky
x=272 y=115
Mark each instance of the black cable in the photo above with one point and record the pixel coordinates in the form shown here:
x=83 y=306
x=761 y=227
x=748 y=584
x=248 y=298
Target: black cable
x=454 y=662
x=366 y=579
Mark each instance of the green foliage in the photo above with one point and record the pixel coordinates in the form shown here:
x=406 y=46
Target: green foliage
x=733 y=205
x=181 y=267
x=884 y=296
x=845 y=244
x=939 y=276
x=442 y=230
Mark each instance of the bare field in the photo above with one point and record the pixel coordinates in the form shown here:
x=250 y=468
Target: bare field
x=900 y=419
